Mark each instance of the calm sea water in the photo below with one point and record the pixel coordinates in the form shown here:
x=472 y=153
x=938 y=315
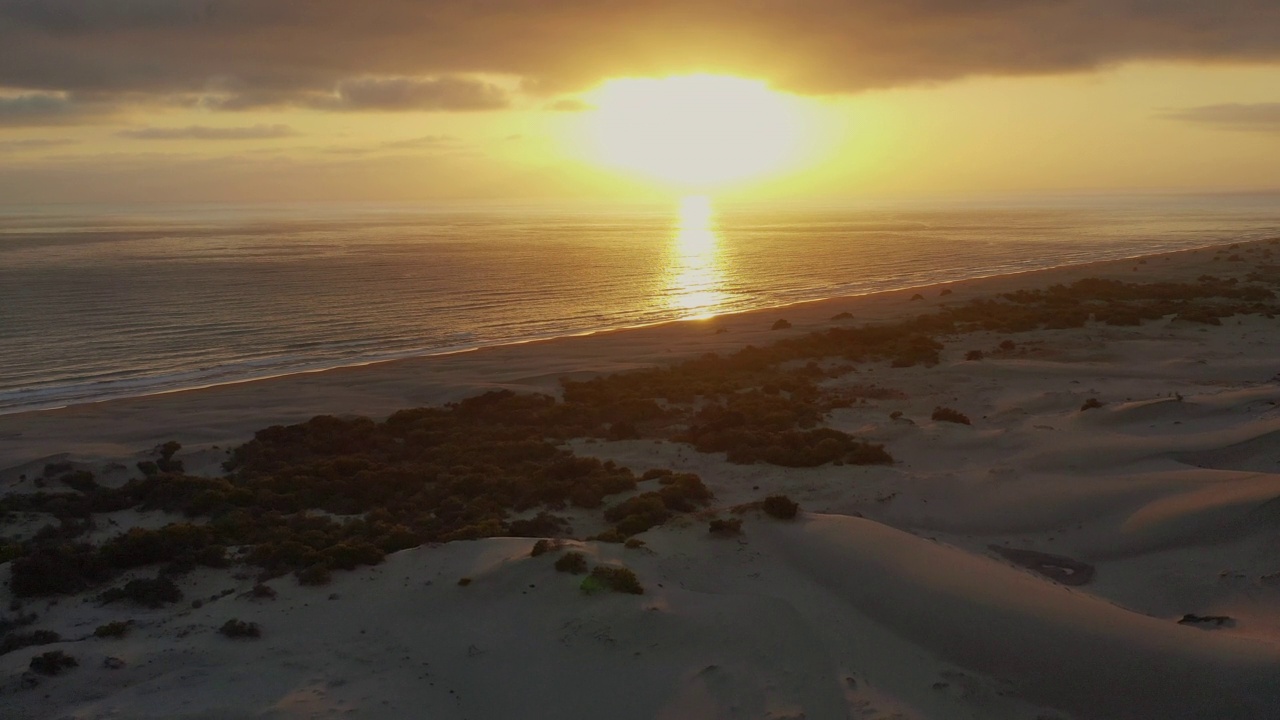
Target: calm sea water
x=100 y=302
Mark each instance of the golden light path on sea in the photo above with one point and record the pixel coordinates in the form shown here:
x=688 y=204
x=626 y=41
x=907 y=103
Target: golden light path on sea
x=695 y=265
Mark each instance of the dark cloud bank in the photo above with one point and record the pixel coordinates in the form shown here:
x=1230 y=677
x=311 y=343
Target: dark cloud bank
x=417 y=54
x=1258 y=117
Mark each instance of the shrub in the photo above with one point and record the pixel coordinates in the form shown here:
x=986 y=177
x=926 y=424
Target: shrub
x=946 y=414
x=974 y=355
x=540 y=548
x=633 y=544
x=81 y=480
x=612 y=577
x=463 y=582
x=638 y=513
x=780 y=506
x=55 y=469
x=118 y=628
x=842 y=316
x=17 y=641
x=917 y=296
x=148 y=592
x=52 y=662
x=725 y=528
x=234 y=628
x=572 y=562
x=263 y=592
x=1091 y=404
x=780 y=325
x=610 y=536
x=868 y=454
x=1007 y=345
x=623 y=431
x=349 y=556
x=318 y=574
x=57 y=570
x=166 y=463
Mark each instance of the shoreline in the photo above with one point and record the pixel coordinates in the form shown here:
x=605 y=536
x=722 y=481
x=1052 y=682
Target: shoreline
x=144 y=387
x=377 y=388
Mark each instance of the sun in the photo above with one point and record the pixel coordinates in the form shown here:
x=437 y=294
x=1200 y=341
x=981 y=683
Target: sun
x=694 y=131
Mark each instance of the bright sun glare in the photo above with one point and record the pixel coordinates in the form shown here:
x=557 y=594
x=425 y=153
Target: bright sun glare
x=696 y=131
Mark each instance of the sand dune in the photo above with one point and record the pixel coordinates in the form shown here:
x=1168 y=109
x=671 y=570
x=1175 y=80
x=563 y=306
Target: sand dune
x=1051 y=644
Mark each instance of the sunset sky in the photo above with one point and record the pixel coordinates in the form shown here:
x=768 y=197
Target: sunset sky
x=410 y=100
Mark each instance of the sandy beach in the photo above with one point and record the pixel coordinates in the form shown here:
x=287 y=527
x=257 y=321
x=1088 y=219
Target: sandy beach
x=1048 y=558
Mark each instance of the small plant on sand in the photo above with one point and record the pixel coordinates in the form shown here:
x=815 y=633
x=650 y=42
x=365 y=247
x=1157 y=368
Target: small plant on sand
x=781 y=325
x=572 y=562
x=725 y=528
x=463 y=582
x=235 y=628
x=118 y=628
x=780 y=507
x=262 y=592
x=1091 y=404
x=318 y=574
x=17 y=641
x=917 y=296
x=612 y=577
x=541 y=547
x=973 y=355
x=946 y=414
x=52 y=662
x=148 y=592
x=633 y=544
x=1007 y=345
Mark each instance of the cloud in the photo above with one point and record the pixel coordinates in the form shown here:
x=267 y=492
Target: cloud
x=39 y=109
x=569 y=105
x=1258 y=117
x=289 y=51
x=203 y=132
x=35 y=144
x=426 y=141
x=437 y=144
x=402 y=93
x=369 y=94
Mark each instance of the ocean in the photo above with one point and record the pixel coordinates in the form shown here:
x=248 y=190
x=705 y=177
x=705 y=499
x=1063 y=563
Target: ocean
x=107 y=302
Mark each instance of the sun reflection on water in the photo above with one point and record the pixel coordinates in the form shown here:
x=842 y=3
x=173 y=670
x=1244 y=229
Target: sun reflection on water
x=695 y=272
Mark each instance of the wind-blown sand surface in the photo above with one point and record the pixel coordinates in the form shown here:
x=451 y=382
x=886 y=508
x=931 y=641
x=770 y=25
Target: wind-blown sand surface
x=883 y=599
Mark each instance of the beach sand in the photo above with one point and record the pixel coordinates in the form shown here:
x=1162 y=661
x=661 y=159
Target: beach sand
x=883 y=599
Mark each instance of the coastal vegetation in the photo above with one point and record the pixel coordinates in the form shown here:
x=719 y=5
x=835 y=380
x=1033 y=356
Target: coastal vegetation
x=333 y=494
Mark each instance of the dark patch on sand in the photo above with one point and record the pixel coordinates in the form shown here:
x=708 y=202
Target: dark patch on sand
x=1055 y=567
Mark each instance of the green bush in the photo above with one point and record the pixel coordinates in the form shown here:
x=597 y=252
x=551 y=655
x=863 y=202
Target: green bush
x=732 y=526
x=318 y=574
x=572 y=562
x=17 y=641
x=780 y=507
x=118 y=628
x=235 y=628
x=148 y=592
x=946 y=414
x=611 y=577
x=59 y=569
x=52 y=662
